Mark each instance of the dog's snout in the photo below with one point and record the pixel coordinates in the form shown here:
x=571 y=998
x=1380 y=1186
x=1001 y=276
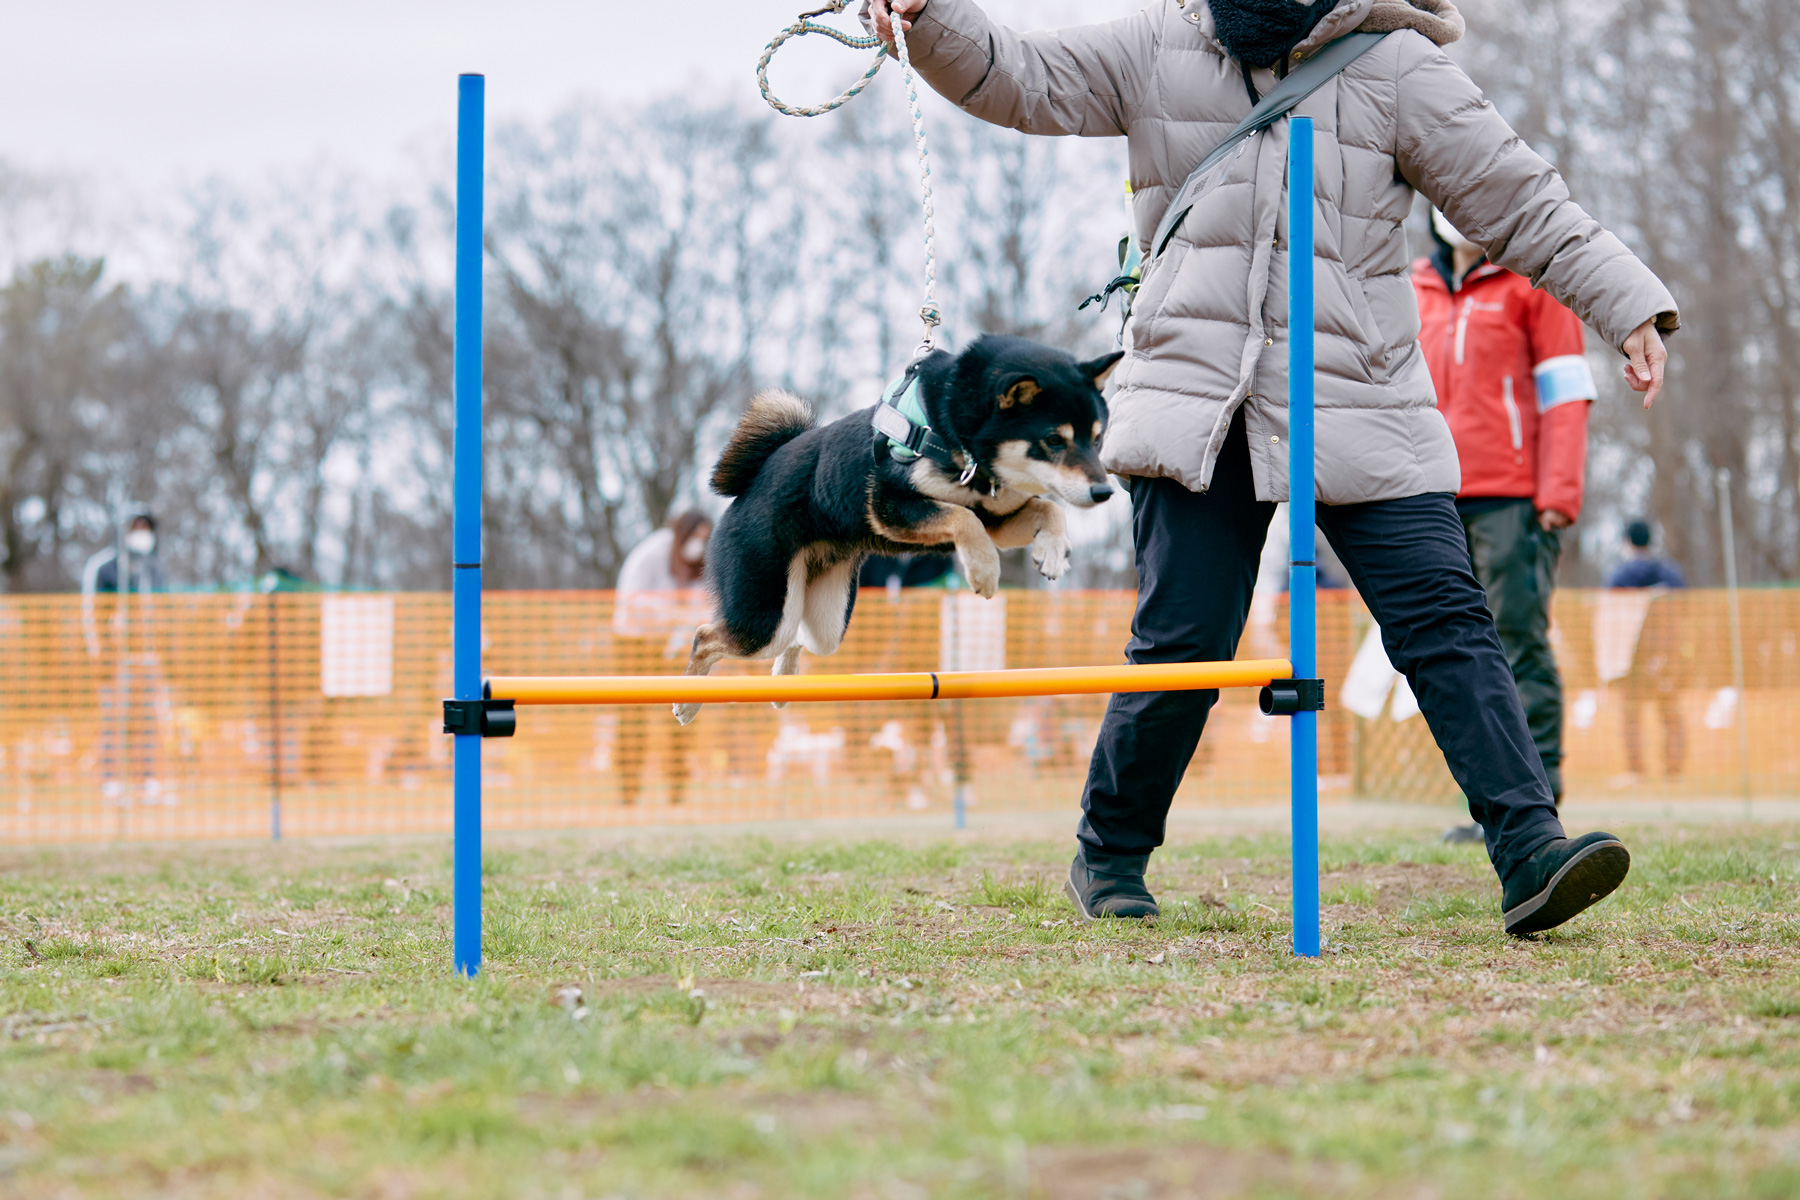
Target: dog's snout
x=1100 y=493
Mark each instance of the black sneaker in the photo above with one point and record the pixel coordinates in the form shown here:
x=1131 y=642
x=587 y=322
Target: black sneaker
x=1109 y=885
x=1561 y=879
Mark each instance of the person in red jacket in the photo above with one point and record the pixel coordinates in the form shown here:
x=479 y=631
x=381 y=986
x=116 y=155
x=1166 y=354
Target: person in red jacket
x=1512 y=382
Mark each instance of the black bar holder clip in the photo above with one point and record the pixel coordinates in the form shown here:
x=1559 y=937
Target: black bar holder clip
x=1285 y=697
x=480 y=718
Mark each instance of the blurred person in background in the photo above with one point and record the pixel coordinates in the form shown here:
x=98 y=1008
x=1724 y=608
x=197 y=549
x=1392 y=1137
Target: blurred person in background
x=1643 y=567
x=659 y=600
x=1513 y=384
x=141 y=568
x=1657 y=668
x=134 y=703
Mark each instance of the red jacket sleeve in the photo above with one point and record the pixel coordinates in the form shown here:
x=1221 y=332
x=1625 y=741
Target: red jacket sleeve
x=1557 y=343
x=1562 y=458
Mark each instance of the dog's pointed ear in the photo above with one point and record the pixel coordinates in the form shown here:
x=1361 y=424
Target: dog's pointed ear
x=1023 y=391
x=1098 y=369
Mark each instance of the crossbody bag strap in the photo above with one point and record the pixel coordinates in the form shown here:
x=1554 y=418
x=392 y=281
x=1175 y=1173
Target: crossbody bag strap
x=1299 y=83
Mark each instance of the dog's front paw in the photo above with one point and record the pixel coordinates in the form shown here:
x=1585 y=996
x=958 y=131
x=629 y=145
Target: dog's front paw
x=685 y=713
x=984 y=576
x=1050 y=551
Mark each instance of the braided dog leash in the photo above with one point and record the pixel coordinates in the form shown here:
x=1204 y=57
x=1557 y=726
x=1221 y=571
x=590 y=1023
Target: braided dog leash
x=929 y=312
x=806 y=25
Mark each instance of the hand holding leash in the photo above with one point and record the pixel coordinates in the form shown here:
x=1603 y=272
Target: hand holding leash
x=879 y=10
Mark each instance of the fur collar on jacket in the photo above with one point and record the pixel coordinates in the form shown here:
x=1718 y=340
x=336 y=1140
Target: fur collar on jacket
x=1436 y=19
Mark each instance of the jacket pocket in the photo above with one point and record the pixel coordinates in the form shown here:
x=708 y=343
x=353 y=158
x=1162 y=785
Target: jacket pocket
x=1147 y=306
x=1392 y=309
x=1375 y=346
x=1349 y=314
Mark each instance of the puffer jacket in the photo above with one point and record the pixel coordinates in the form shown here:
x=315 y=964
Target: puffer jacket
x=1209 y=328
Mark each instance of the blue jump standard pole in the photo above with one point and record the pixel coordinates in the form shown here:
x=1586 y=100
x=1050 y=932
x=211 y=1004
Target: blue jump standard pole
x=1302 y=625
x=466 y=533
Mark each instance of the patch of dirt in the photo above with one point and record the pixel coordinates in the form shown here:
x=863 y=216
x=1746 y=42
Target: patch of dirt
x=820 y=1113
x=1164 y=1172
x=743 y=990
x=1398 y=884
x=800 y=1114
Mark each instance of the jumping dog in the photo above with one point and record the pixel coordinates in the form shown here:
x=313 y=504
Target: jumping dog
x=969 y=454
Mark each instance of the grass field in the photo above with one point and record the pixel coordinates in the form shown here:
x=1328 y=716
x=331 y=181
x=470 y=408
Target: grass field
x=889 y=1017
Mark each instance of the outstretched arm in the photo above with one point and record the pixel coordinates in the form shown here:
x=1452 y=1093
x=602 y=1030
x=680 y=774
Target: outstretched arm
x=1087 y=80
x=1454 y=147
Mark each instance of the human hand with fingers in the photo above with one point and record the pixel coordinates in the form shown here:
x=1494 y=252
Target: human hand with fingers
x=1644 y=373
x=883 y=12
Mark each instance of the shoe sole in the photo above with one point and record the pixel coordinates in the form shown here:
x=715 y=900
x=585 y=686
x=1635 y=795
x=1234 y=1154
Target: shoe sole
x=1074 y=896
x=1585 y=880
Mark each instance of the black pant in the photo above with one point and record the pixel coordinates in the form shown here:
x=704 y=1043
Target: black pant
x=1196 y=559
x=1515 y=560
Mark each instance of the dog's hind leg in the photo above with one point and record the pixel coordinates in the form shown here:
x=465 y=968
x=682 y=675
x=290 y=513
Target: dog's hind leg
x=711 y=643
x=784 y=647
x=825 y=612
x=829 y=597
x=786 y=663
x=760 y=605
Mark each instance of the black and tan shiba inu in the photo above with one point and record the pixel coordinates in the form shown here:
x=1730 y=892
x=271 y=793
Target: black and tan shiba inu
x=970 y=454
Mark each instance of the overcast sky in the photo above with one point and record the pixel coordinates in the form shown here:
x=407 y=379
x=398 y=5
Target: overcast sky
x=140 y=97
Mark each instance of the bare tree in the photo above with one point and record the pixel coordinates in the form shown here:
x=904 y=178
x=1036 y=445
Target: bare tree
x=1675 y=123
x=639 y=264
x=270 y=348
x=67 y=345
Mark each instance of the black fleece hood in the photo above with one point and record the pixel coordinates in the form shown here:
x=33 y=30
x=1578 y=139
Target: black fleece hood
x=1259 y=32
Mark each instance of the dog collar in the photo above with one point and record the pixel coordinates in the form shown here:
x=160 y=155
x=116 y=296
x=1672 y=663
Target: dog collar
x=900 y=419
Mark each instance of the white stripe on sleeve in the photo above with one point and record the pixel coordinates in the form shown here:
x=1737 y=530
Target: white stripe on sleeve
x=1563 y=379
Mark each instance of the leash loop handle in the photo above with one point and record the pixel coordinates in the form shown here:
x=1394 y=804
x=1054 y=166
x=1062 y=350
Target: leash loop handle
x=805 y=25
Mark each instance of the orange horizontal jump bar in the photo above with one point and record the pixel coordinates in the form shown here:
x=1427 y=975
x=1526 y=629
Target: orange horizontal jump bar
x=918 y=685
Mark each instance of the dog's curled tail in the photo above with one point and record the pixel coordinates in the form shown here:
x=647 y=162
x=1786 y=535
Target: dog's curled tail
x=773 y=419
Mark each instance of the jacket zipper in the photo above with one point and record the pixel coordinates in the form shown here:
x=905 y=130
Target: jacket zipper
x=1462 y=328
x=1512 y=413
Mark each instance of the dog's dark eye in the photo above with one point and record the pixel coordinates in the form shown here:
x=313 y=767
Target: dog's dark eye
x=1055 y=442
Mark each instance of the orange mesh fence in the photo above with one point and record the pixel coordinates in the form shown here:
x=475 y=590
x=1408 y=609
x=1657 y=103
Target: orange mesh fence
x=1651 y=705
x=207 y=715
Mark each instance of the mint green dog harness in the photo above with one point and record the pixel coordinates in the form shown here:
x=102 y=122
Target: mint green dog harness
x=901 y=419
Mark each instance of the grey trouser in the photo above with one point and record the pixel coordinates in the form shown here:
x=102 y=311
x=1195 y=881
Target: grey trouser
x=1515 y=560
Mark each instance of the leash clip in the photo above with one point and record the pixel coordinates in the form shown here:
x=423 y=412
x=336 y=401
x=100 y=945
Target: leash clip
x=932 y=318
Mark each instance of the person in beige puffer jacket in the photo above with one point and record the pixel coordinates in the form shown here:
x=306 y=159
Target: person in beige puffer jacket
x=1199 y=404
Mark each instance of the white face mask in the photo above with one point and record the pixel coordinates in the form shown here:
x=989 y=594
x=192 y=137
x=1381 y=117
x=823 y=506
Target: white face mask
x=140 y=541
x=1450 y=233
x=694 y=549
